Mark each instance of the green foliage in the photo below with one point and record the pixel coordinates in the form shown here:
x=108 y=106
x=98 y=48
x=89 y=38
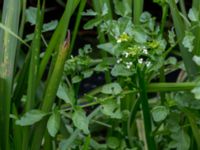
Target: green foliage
x=80 y=120
x=44 y=103
x=30 y=118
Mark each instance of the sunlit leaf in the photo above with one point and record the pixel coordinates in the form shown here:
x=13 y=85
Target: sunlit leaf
x=193 y=14
x=30 y=117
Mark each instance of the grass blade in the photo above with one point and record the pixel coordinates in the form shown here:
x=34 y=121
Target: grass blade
x=137 y=10
x=190 y=66
x=8 y=45
x=50 y=93
x=58 y=33
x=33 y=70
x=146 y=111
x=78 y=19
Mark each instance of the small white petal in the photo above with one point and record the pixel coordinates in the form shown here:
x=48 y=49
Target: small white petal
x=119 y=40
x=140 y=61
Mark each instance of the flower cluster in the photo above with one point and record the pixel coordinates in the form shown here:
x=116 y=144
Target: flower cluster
x=123 y=37
x=133 y=55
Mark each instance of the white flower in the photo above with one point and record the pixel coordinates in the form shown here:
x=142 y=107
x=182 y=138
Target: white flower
x=148 y=63
x=128 y=67
x=140 y=61
x=129 y=64
x=144 y=50
x=126 y=54
x=119 y=60
x=119 y=40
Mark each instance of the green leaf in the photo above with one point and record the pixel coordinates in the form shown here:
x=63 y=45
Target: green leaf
x=109 y=47
x=87 y=73
x=76 y=79
x=49 y=26
x=92 y=23
x=193 y=14
x=196 y=92
x=181 y=141
x=80 y=120
x=53 y=123
x=66 y=94
x=188 y=41
x=31 y=14
x=159 y=113
x=111 y=88
x=196 y=59
x=171 y=36
x=139 y=36
x=104 y=9
x=87 y=143
x=31 y=117
x=89 y=12
x=112 y=109
x=113 y=142
x=122 y=7
x=121 y=70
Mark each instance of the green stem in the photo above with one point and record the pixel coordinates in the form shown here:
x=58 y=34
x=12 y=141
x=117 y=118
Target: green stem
x=137 y=10
x=50 y=93
x=146 y=111
x=33 y=71
x=79 y=15
x=163 y=22
x=169 y=87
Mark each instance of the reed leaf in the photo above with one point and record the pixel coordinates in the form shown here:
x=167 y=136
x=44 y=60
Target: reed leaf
x=180 y=26
x=8 y=45
x=33 y=70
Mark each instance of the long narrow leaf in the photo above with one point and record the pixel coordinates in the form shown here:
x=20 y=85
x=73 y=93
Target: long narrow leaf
x=8 y=45
x=33 y=70
x=180 y=27
x=50 y=93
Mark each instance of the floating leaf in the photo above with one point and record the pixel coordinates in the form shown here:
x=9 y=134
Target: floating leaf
x=53 y=123
x=30 y=117
x=159 y=113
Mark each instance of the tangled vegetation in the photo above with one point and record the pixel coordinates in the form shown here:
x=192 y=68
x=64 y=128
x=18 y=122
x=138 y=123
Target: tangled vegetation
x=134 y=86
